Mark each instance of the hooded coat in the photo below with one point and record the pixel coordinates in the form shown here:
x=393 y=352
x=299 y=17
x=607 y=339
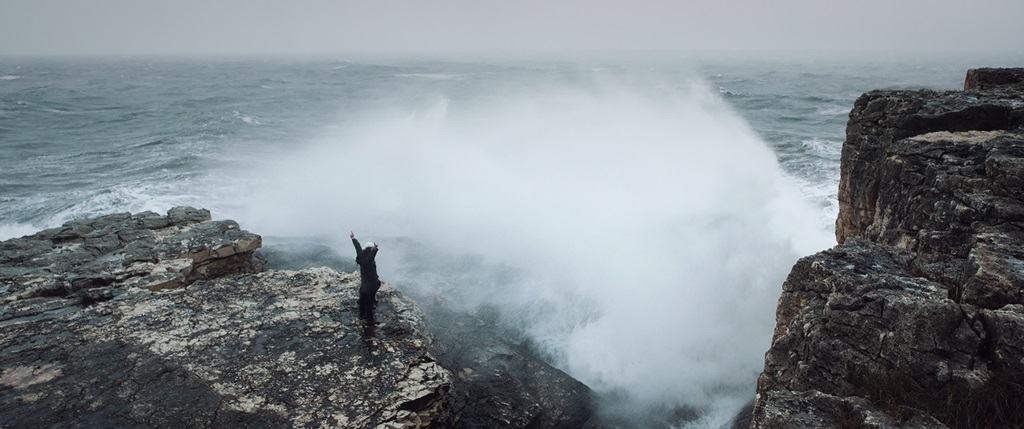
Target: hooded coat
x=369 y=283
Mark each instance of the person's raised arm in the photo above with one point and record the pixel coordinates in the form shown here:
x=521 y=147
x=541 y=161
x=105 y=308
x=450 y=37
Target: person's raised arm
x=355 y=242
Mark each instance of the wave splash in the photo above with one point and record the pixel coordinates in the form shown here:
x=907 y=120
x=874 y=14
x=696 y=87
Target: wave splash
x=657 y=229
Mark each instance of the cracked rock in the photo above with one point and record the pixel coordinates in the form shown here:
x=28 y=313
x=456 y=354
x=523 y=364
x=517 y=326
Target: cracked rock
x=922 y=302
x=118 y=253
x=274 y=349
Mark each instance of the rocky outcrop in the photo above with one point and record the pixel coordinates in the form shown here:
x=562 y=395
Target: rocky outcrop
x=916 y=318
x=880 y=126
x=985 y=79
x=150 y=320
x=160 y=321
x=274 y=349
x=89 y=260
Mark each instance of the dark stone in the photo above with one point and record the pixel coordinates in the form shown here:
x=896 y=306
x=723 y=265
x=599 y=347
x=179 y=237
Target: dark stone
x=983 y=79
x=277 y=349
x=881 y=123
x=500 y=380
x=181 y=216
x=120 y=251
x=920 y=309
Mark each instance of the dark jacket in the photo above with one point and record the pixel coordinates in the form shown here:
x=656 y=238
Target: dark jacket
x=367 y=265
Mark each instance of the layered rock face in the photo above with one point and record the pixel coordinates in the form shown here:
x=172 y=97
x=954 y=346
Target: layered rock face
x=96 y=259
x=271 y=349
x=917 y=318
x=990 y=78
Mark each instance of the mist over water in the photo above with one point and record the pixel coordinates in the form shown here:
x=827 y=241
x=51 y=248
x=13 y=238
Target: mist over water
x=654 y=229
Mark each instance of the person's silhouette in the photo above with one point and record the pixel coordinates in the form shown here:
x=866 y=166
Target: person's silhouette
x=368 y=271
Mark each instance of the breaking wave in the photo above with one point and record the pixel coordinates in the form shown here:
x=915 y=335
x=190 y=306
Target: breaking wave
x=656 y=229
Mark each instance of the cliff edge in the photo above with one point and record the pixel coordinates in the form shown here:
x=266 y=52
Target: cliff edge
x=147 y=320
x=916 y=319
x=150 y=320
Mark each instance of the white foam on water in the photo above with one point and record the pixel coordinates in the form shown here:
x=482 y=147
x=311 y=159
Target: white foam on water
x=826 y=148
x=15 y=230
x=132 y=197
x=657 y=228
x=246 y=118
x=833 y=110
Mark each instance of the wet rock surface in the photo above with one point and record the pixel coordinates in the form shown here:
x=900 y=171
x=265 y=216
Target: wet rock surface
x=151 y=320
x=274 y=349
x=90 y=260
x=501 y=381
x=147 y=320
x=916 y=318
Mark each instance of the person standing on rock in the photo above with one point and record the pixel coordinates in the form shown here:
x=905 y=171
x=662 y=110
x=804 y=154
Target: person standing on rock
x=368 y=271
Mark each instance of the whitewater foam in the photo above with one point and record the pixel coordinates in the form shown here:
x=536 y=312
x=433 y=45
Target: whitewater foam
x=833 y=110
x=246 y=118
x=657 y=230
x=829 y=149
x=14 y=230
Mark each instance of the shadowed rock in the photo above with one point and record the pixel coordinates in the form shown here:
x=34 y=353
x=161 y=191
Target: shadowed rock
x=915 y=319
x=993 y=78
x=275 y=349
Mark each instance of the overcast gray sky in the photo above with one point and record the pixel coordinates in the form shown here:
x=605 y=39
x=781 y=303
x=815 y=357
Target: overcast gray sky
x=341 y=26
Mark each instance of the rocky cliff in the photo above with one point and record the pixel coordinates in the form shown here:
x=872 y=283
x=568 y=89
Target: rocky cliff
x=916 y=319
x=163 y=321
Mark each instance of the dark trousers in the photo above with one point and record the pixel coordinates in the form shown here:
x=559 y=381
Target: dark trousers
x=367 y=300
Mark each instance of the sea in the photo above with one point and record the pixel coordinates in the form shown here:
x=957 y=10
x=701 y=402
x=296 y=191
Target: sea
x=633 y=215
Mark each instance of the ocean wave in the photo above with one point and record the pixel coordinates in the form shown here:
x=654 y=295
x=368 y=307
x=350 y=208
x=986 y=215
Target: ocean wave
x=541 y=180
x=833 y=110
x=827 y=148
x=246 y=118
x=10 y=77
x=156 y=142
x=135 y=197
x=430 y=76
x=15 y=230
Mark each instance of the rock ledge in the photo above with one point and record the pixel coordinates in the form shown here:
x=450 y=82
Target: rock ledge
x=161 y=321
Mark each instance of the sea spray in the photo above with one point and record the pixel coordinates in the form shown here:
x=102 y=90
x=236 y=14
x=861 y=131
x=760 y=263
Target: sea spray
x=653 y=230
